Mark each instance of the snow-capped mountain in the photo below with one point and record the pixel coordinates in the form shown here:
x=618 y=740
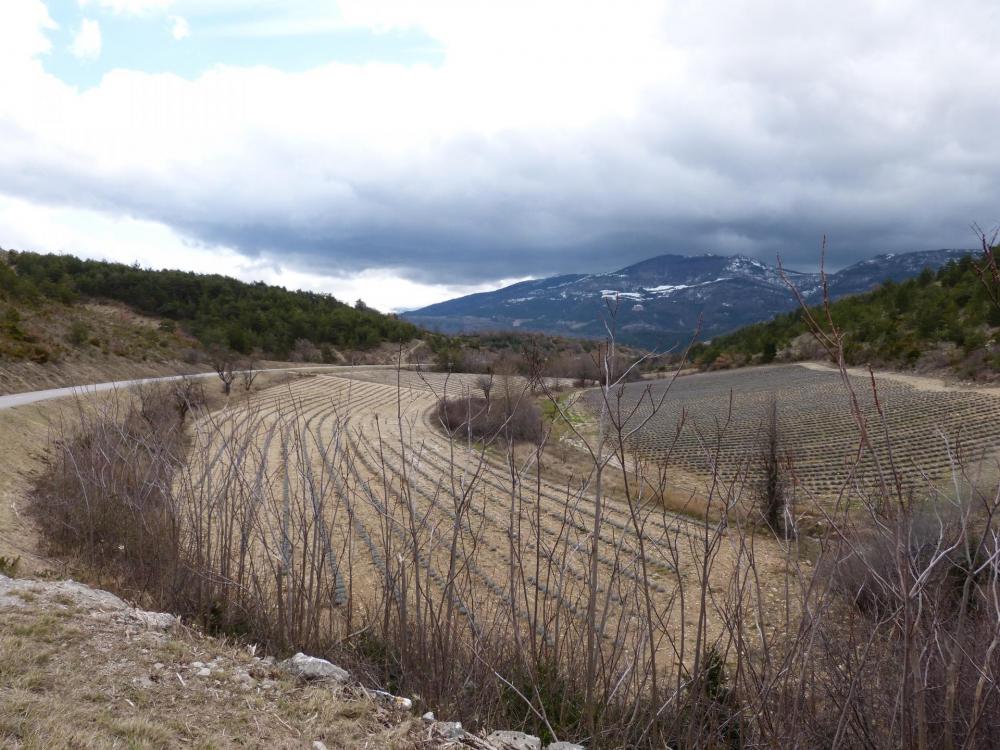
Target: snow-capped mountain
x=659 y=301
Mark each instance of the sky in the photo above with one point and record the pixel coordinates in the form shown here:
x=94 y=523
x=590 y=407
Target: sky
x=408 y=151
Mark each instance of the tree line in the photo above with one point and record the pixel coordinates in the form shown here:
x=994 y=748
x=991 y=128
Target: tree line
x=217 y=310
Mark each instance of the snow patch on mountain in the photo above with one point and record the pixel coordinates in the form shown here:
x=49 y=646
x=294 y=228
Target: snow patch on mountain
x=665 y=296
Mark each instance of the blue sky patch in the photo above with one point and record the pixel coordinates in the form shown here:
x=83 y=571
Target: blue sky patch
x=147 y=43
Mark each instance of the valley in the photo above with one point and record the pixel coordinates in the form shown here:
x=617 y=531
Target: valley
x=506 y=526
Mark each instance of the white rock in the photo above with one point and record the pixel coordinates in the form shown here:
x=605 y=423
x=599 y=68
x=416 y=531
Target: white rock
x=196 y=665
x=204 y=672
x=451 y=730
x=88 y=597
x=317 y=745
x=11 y=590
x=155 y=620
x=429 y=717
x=511 y=740
x=396 y=700
x=313 y=668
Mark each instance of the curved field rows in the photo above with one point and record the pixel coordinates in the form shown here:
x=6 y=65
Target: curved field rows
x=717 y=420
x=349 y=475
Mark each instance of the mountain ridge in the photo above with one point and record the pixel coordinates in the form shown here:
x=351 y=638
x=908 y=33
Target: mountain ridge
x=661 y=300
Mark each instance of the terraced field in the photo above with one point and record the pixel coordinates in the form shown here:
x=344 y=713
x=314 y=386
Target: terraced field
x=348 y=476
x=715 y=422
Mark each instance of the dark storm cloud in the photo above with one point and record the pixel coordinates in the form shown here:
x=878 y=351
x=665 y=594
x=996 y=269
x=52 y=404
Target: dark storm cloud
x=758 y=127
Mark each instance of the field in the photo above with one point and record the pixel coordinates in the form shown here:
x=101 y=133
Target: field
x=712 y=425
x=333 y=506
x=356 y=466
x=555 y=586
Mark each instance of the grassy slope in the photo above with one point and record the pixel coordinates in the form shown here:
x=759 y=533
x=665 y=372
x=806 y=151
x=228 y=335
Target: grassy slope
x=937 y=321
x=47 y=344
x=74 y=673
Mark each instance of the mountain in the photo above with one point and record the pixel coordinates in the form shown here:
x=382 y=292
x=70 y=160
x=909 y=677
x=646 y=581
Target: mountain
x=660 y=300
x=946 y=320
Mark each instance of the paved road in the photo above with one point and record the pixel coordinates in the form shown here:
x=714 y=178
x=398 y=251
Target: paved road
x=30 y=397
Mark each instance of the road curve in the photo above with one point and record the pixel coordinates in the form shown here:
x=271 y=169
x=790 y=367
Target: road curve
x=29 y=397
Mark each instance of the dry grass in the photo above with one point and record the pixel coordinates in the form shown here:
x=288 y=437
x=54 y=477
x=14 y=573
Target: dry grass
x=61 y=345
x=25 y=433
x=70 y=679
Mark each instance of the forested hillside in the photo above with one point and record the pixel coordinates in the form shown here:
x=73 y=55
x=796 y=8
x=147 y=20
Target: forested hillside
x=217 y=310
x=943 y=319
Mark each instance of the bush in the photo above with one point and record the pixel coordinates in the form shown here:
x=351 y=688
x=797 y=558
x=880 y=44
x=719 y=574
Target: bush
x=939 y=540
x=918 y=592
x=79 y=333
x=517 y=418
x=105 y=497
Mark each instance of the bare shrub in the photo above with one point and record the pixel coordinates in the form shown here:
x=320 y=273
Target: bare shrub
x=483 y=419
x=581 y=368
x=105 y=498
x=950 y=543
x=305 y=350
x=248 y=374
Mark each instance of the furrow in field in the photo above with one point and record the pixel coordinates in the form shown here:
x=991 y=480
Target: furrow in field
x=384 y=457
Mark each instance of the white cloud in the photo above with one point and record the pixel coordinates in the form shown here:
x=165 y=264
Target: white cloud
x=128 y=7
x=91 y=234
x=87 y=40
x=550 y=138
x=179 y=28
x=23 y=27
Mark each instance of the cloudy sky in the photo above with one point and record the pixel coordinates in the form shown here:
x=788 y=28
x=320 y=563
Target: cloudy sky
x=406 y=151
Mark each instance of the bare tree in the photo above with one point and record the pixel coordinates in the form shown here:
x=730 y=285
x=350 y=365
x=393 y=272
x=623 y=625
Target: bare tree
x=249 y=373
x=989 y=271
x=222 y=363
x=485 y=384
x=771 y=485
x=187 y=394
x=534 y=364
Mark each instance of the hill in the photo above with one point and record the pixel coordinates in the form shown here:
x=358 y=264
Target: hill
x=662 y=298
x=942 y=319
x=216 y=310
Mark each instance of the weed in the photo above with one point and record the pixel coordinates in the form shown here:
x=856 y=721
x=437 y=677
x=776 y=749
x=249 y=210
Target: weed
x=9 y=566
